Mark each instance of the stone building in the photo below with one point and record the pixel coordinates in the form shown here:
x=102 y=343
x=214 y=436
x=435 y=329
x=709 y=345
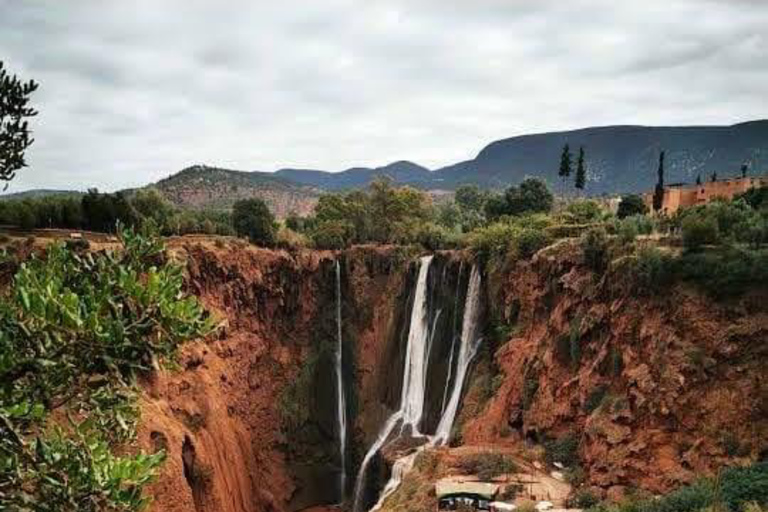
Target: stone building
x=683 y=195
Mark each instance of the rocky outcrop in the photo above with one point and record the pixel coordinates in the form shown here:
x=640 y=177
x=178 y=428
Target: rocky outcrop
x=656 y=389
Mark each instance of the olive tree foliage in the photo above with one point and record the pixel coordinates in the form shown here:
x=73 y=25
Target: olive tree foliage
x=15 y=135
x=76 y=330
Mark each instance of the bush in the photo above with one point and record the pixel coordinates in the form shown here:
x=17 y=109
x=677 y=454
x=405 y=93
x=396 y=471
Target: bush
x=332 y=234
x=653 y=270
x=530 y=241
x=487 y=466
x=564 y=450
x=494 y=240
x=286 y=238
x=594 y=246
x=432 y=237
x=252 y=218
x=582 y=499
x=631 y=205
x=584 y=211
x=105 y=319
x=725 y=273
x=740 y=485
x=699 y=231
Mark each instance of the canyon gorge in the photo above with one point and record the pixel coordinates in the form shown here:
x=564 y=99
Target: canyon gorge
x=333 y=370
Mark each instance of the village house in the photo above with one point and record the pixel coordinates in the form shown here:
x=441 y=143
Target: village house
x=684 y=195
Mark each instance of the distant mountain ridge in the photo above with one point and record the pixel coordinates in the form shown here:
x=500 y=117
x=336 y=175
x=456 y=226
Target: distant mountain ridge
x=620 y=159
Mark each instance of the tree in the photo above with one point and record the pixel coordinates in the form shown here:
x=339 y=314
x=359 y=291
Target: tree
x=631 y=205
x=581 y=171
x=698 y=179
x=744 y=169
x=252 y=218
x=531 y=196
x=14 y=129
x=714 y=177
x=470 y=197
x=658 y=193
x=565 y=164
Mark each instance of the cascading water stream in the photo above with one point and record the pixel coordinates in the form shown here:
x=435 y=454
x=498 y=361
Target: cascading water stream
x=414 y=378
x=470 y=342
x=414 y=381
x=341 y=399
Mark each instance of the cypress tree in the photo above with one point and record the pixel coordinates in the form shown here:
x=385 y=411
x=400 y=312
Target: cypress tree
x=744 y=168
x=658 y=193
x=714 y=176
x=581 y=171
x=565 y=163
x=698 y=179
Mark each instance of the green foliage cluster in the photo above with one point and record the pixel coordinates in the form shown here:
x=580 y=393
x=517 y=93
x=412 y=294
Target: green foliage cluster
x=564 y=449
x=15 y=135
x=531 y=196
x=487 y=466
x=103 y=212
x=722 y=222
x=631 y=205
x=75 y=330
x=594 y=246
x=736 y=489
x=252 y=219
x=721 y=273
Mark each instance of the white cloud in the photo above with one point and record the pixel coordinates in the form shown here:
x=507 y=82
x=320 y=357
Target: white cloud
x=132 y=91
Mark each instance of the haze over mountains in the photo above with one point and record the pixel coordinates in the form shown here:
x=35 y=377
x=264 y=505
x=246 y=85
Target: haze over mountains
x=620 y=159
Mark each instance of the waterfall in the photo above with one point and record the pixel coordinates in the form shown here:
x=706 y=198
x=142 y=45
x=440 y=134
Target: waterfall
x=415 y=373
x=470 y=342
x=341 y=401
x=414 y=381
x=453 y=340
x=414 y=377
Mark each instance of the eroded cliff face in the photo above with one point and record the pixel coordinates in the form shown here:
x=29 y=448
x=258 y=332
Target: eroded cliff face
x=249 y=421
x=657 y=389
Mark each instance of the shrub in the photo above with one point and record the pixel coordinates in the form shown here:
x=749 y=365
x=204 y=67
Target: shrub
x=699 y=231
x=487 y=466
x=627 y=232
x=631 y=205
x=529 y=241
x=530 y=387
x=332 y=234
x=105 y=318
x=493 y=240
x=252 y=218
x=725 y=273
x=431 y=236
x=583 y=211
x=583 y=498
x=653 y=270
x=287 y=238
x=564 y=450
x=594 y=246
x=740 y=485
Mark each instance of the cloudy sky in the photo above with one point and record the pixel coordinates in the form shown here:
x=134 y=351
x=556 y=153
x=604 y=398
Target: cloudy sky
x=133 y=91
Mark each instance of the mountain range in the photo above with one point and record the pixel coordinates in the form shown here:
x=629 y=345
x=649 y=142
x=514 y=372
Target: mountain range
x=620 y=159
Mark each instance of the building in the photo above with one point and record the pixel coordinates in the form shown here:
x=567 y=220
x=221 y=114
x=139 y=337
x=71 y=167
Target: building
x=683 y=196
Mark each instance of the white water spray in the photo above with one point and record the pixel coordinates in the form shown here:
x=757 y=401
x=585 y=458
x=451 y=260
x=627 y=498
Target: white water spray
x=467 y=351
x=470 y=342
x=341 y=400
x=414 y=377
x=414 y=382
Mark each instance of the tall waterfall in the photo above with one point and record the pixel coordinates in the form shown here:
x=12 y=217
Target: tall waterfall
x=470 y=342
x=415 y=374
x=414 y=377
x=414 y=381
x=341 y=400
